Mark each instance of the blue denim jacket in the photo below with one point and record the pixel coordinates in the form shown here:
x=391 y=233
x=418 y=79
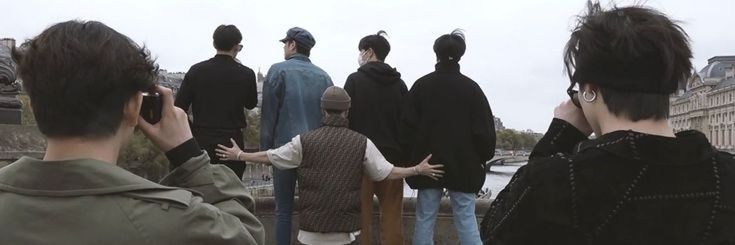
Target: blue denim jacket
x=292 y=94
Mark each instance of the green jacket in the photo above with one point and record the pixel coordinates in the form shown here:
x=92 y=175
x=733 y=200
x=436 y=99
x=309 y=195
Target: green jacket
x=92 y=202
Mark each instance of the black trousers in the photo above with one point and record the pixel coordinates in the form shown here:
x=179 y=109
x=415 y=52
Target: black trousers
x=209 y=138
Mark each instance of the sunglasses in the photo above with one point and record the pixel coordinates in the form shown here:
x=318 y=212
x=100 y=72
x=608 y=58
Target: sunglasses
x=574 y=95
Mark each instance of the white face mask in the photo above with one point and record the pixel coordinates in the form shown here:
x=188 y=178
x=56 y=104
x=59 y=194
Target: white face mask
x=360 y=59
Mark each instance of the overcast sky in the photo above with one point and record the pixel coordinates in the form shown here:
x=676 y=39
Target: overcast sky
x=513 y=47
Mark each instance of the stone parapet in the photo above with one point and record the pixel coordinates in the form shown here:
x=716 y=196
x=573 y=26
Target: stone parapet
x=444 y=230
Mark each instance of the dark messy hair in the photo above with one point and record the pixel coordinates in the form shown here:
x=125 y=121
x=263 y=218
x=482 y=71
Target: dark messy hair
x=450 y=47
x=79 y=75
x=378 y=43
x=636 y=55
x=226 y=37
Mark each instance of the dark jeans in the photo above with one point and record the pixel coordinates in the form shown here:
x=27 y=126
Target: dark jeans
x=284 y=186
x=209 y=138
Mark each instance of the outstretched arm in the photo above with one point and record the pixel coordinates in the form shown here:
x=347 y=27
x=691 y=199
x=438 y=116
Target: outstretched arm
x=235 y=154
x=423 y=168
x=378 y=168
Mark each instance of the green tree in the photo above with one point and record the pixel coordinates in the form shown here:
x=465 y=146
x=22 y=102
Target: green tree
x=509 y=139
x=251 y=135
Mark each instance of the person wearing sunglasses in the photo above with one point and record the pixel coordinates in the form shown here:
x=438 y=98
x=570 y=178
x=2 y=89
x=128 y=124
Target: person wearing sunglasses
x=636 y=182
x=216 y=91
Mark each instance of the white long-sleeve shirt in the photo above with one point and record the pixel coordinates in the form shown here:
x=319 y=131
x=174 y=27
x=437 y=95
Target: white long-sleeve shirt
x=290 y=155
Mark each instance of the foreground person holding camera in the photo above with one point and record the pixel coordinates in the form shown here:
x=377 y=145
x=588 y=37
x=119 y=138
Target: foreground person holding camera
x=85 y=81
x=638 y=182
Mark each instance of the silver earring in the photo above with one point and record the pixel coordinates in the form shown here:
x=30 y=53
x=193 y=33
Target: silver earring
x=589 y=100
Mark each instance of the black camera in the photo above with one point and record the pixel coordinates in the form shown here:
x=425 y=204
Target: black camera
x=151 y=108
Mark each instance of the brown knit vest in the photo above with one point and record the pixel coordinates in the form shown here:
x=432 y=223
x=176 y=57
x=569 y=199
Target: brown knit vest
x=330 y=177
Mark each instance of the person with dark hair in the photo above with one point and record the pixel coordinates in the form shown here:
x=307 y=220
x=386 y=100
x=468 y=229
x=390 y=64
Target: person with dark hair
x=332 y=161
x=377 y=93
x=447 y=114
x=291 y=94
x=86 y=82
x=218 y=91
x=637 y=182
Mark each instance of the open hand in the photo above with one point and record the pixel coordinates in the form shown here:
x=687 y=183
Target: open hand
x=432 y=171
x=228 y=153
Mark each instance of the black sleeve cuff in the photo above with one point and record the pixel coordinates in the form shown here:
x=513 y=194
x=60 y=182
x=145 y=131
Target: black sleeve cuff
x=561 y=138
x=183 y=152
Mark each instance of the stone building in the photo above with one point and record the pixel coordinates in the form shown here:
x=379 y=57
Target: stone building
x=8 y=42
x=259 y=83
x=706 y=103
x=170 y=80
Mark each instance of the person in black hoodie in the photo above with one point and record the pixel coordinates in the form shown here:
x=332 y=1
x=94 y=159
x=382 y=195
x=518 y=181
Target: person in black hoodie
x=377 y=93
x=447 y=114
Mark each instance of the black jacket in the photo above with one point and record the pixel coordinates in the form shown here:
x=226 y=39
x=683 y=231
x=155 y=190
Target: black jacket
x=217 y=90
x=377 y=93
x=447 y=115
x=622 y=188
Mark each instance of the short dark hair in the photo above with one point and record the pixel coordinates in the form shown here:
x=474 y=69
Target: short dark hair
x=378 y=43
x=636 y=105
x=79 y=75
x=226 y=37
x=637 y=56
x=450 y=47
x=300 y=49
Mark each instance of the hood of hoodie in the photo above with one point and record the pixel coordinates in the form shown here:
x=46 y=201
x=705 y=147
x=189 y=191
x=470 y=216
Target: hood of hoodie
x=381 y=72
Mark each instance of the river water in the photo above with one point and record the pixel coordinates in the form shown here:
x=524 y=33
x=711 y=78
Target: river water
x=495 y=180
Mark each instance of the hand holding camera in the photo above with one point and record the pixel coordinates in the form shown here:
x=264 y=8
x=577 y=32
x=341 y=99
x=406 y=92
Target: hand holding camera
x=172 y=129
x=572 y=114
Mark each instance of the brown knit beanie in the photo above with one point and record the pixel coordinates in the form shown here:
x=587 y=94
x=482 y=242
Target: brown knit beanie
x=336 y=98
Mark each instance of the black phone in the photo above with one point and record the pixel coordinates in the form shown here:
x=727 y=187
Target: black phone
x=151 y=108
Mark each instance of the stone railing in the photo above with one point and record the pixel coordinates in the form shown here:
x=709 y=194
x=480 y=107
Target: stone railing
x=444 y=229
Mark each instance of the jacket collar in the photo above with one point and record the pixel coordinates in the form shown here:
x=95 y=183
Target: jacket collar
x=689 y=147
x=35 y=177
x=446 y=66
x=223 y=57
x=300 y=57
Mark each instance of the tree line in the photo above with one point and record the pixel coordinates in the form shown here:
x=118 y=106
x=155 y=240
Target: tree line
x=510 y=139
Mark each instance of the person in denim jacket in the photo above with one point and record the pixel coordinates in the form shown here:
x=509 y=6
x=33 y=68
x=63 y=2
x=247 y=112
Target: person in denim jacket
x=291 y=105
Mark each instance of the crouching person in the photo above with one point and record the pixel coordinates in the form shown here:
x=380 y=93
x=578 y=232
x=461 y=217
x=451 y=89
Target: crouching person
x=331 y=162
x=85 y=81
